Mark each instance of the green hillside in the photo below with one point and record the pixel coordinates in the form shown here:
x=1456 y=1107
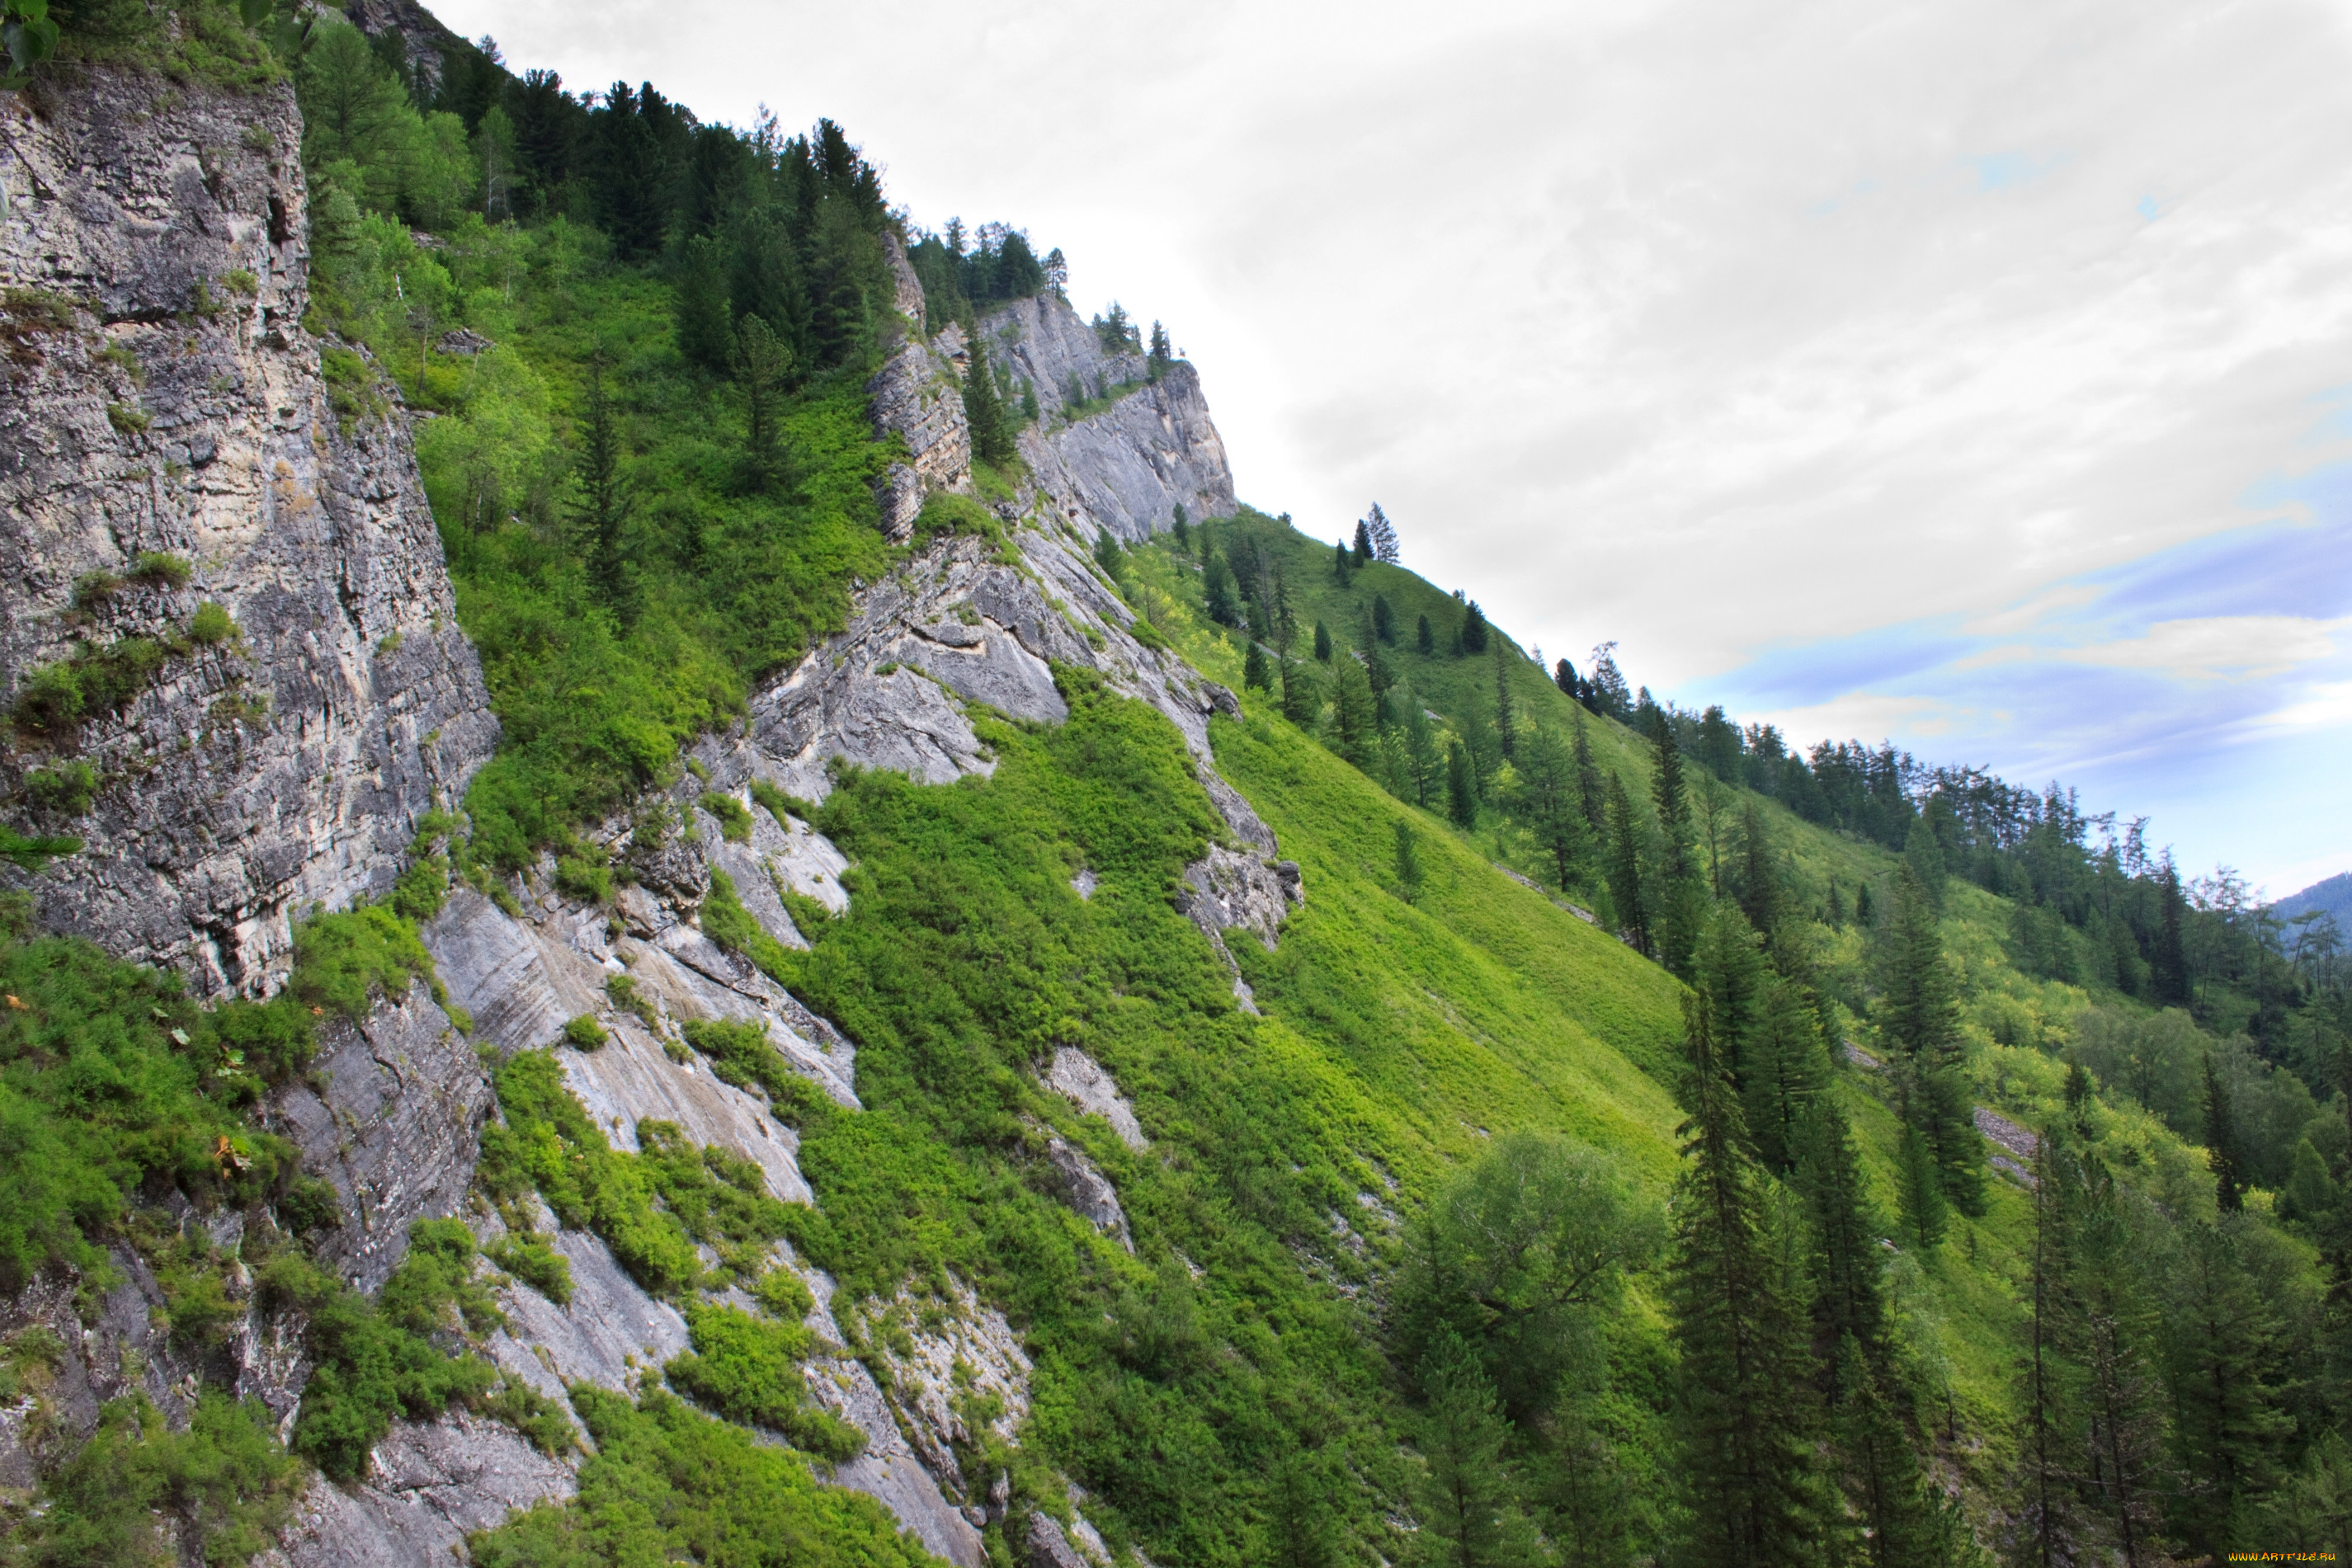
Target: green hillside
x=1492 y=1237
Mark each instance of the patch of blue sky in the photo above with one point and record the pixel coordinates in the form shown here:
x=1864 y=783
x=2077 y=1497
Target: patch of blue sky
x=2000 y=171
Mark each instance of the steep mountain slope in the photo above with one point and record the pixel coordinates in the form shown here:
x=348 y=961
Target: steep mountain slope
x=895 y=1059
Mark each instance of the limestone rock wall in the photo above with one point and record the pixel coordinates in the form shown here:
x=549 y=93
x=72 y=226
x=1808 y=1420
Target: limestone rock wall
x=161 y=397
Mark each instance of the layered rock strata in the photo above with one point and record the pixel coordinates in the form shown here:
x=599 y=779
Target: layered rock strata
x=167 y=441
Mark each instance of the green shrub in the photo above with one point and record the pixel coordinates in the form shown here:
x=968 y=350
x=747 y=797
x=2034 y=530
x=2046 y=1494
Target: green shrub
x=780 y=1294
x=734 y=819
x=224 y=1482
x=779 y=805
x=669 y=1484
x=241 y=281
x=342 y=959
x=529 y=1258
x=748 y=1369
x=740 y=1053
x=211 y=625
x=127 y=419
x=158 y=569
x=584 y=1033
x=31 y=854
x=726 y=922
x=622 y=991
x=56 y=698
x=66 y=789
x=421 y=891
x=584 y=877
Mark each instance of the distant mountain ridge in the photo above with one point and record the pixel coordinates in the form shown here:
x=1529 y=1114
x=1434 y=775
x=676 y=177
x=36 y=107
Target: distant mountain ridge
x=2333 y=895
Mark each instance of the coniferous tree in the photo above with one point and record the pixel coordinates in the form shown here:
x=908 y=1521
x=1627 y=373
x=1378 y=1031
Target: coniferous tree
x=1383 y=620
x=761 y=364
x=1425 y=640
x=2127 y=1471
x=1161 y=357
x=1182 y=530
x=1300 y=699
x=1590 y=796
x=1376 y=664
x=2224 y=1365
x=1924 y=857
x=600 y=520
x=1903 y=1523
x=2169 y=965
x=1546 y=802
x=2222 y=1143
x=1474 y=628
x=705 y=330
x=2047 y=1534
x=1109 y=556
x=1461 y=787
x=1342 y=564
x=1920 y=1018
x=1849 y=1303
x=1408 y=863
x=1217 y=586
x=1681 y=899
x=1506 y=724
x=1466 y=1495
x=1354 y=713
x=983 y=410
x=1758 y=876
x=1424 y=762
x=1563 y=675
x=1747 y=1432
x=1625 y=868
x=1322 y=643
x=1255 y=675
x=1364 y=544
x=1304 y=1520
x=1919 y=1187
x=1784 y=1072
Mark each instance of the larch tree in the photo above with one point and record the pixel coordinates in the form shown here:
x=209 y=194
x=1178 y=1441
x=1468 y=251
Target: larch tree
x=1746 y=1430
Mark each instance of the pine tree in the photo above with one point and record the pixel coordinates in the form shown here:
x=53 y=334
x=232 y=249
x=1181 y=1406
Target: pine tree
x=1217 y=586
x=1109 y=556
x=2169 y=965
x=1425 y=640
x=1590 y=795
x=1625 y=868
x=1924 y=857
x=1474 y=628
x=2222 y=1143
x=1849 y=1302
x=1507 y=723
x=1423 y=764
x=1364 y=544
x=2046 y=1530
x=600 y=521
x=1902 y=1523
x=705 y=337
x=1383 y=620
x=1546 y=802
x=1322 y=643
x=983 y=410
x=1376 y=664
x=1681 y=900
x=1758 y=876
x=1300 y=699
x=1182 y=530
x=1161 y=357
x=1255 y=675
x=1745 y=1429
x=1408 y=864
x=1342 y=564
x=1919 y=1189
x=1920 y=1019
x=2225 y=1362
x=2113 y=1313
x=1461 y=787
x=1304 y=1519
x=1465 y=1495
x=1785 y=1071
x=1563 y=675
x=761 y=364
x=1354 y=715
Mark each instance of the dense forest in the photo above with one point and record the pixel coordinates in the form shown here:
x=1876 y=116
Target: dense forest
x=1607 y=1180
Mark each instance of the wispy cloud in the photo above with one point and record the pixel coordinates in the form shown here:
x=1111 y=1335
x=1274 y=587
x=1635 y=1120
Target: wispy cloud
x=2216 y=647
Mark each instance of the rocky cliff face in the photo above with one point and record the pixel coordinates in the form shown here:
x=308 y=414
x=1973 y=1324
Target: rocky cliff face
x=164 y=402
x=1110 y=449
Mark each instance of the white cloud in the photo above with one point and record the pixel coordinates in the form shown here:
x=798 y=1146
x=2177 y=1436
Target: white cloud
x=2215 y=647
x=2023 y=617
x=2327 y=704
x=1861 y=716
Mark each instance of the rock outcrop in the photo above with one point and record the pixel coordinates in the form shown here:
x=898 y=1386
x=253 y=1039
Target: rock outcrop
x=167 y=441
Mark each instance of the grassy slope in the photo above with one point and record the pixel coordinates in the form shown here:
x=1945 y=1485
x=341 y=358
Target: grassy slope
x=1427 y=1004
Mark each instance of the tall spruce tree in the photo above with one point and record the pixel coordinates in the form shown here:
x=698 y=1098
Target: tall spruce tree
x=1256 y=674
x=1425 y=640
x=1301 y=698
x=1546 y=802
x=1748 y=1433
x=1785 y=1070
x=1461 y=786
x=983 y=410
x=1217 y=586
x=1849 y=1300
x=1383 y=618
x=1625 y=889
x=1322 y=643
x=2126 y=1471
x=763 y=363
x=704 y=332
x=2225 y=1364
x=1466 y=1495
x=1590 y=795
x=1919 y=1017
x=1680 y=898
x=1364 y=543
x=2222 y=1156
x=2168 y=963
x=1506 y=722
x=1474 y=628
x=600 y=519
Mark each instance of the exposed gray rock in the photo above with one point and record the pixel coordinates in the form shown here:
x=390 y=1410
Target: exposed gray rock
x=918 y=394
x=592 y=1339
x=1087 y=1190
x=633 y=1079
x=1084 y=1080
x=887 y=1470
x=1126 y=467
x=397 y=1127
x=288 y=765
x=1046 y=1547
x=906 y=289
x=521 y=981
x=430 y=1484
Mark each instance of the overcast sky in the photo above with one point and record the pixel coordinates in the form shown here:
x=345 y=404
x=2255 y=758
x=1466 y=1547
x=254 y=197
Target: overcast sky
x=1973 y=375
